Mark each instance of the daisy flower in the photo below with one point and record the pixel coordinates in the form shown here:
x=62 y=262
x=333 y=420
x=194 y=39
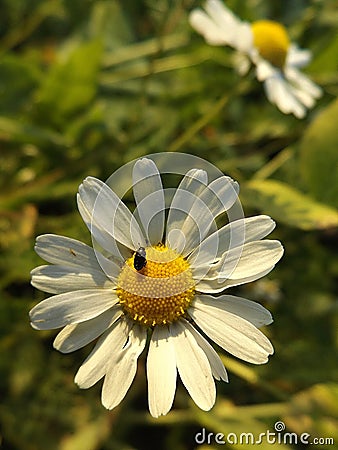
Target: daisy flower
x=265 y=44
x=152 y=277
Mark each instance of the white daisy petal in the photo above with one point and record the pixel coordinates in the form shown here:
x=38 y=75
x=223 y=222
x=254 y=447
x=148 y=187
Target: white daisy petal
x=122 y=368
x=236 y=33
x=220 y=194
x=193 y=181
x=63 y=250
x=74 y=336
x=195 y=227
x=214 y=286
x=221 y=15
x=190 y=187
x=236 y=335
x=244 y=261
x=243 y=40
x=264 y=69
x=149 y=197
x=212 y=32
x=289 y=94
x=280 y=93
x=242 y=63
x=251 y=311
x=221 y=27
x=57 y=279
x=297 y=57
x=193 y=366
x=161 y=372
x=302 y=82
x=254 y=258
x=110 y=217
x=218 y=370
x=304 y=97
x=217 y=197
x=112 y=266
x=231 y=235
x=85 y=212
x=71 y=307
x=99 y=236
x=109 y=344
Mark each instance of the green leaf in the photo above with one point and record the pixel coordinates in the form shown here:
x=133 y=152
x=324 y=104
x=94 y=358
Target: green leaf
x=70 y=85
x=110 y=21
x=326 y=60
x=315 y=410
x=319 y=156
x=88 y=434
x=288 y=205
x=18 y=78
x=24 y=132
x=239 y=426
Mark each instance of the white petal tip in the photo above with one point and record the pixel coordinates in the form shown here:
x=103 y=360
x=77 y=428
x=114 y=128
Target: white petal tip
x=157 y=415
x=207 y=407
x=80 y=383
x=35 y=326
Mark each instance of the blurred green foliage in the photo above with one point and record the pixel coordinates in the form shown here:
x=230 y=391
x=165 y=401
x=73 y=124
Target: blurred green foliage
x=89 y=85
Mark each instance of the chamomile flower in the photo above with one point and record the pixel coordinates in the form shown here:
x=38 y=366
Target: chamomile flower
x=153 y=277
x=267 y=46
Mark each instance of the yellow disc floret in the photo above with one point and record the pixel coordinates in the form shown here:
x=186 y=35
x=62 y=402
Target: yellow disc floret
x=161 y=291
x=271 y=40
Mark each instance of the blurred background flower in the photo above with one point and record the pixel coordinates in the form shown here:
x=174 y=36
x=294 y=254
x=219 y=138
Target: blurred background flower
x=266 y=44
x=89 y=85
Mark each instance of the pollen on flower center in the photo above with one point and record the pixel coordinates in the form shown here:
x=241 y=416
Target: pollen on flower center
x=161 y=291
x=271 y=40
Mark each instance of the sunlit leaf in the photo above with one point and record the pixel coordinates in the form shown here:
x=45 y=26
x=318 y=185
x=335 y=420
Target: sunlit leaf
x=315 y=411
x=18 y=78
x=288 y=205
x=70 y=85
x=319 y=156
x=326 y=60
x=109 y=22
x=239 y=426
x=20 y=131
x=90 y=434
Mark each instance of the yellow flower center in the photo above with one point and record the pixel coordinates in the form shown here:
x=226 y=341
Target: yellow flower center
x=161 y=291
x=271 y=40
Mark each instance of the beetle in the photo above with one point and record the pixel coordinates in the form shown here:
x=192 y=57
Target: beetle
x=140 y=260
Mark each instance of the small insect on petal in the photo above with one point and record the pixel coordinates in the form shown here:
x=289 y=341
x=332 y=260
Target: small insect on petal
x=140 y=259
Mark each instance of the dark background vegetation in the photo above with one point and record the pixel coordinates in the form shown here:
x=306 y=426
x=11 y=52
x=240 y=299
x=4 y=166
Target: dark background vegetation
x=88 y=85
